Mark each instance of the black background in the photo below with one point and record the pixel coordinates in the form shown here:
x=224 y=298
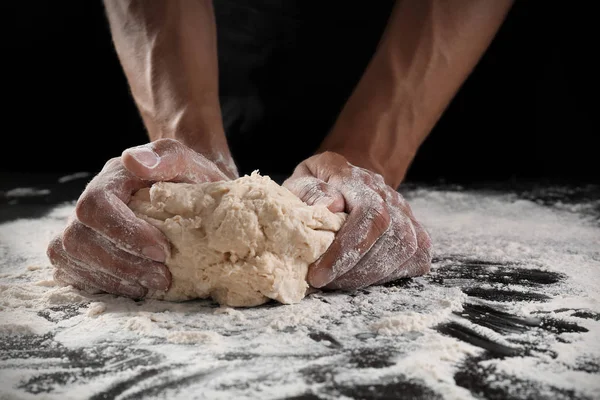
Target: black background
x=526 y=112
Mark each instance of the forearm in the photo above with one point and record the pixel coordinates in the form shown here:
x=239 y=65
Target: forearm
x=168 y=51
x=426 y=53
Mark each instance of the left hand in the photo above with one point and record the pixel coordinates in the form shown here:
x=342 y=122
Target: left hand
x=381 y=240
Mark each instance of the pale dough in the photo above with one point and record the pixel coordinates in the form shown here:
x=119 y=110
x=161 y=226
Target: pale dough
x=241 y=242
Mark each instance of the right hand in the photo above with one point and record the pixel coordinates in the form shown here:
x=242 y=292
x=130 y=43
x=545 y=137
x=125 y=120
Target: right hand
x=105 y=247
x=381 y=240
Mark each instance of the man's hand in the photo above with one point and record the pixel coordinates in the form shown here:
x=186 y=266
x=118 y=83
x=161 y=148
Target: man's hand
x=381 y=241
x=105 y=247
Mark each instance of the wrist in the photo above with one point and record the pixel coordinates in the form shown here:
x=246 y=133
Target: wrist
x=205 y=138
x=375 y=142
x=393 y=172
x=378 y=132
x=215 y=149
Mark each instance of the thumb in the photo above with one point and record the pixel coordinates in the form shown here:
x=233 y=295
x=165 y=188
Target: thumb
x=170 y=160
x=314 y=191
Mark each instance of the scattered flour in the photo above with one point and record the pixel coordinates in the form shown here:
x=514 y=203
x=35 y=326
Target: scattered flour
x=269 y=352
x=16 y=322
x=26 y=192
x=191 y=337
x=440 y=306
x=72 y=177
x=96 y=309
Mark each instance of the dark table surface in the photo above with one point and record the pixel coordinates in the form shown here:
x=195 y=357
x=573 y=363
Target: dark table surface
x=138 y=369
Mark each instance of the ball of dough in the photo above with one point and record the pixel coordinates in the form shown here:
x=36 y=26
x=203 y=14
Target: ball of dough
x=241 y=242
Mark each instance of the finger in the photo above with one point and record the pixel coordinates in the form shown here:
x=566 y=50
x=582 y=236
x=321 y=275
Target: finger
x=394 y=248
x=314 y=191
x=59 y=260
x=89 y=248
x=399 y=201
x=102 y=207
x=367 y=221
x=98 y=282
x=170 y=160
x=61 y=277
x=73 y=272
x=418 y=264
x=423 y=237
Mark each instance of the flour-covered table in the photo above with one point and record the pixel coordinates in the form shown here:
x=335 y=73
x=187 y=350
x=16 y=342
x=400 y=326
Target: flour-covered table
x=511 y=309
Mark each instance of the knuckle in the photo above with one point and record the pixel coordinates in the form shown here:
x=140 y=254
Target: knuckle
x=55 y=247
x=346 y=174
x=366 y=178
x=334 y=162
x=426 y=243
x=60 y=277
x=383 y=194
x=397 y=199
x=361 y=173
x=166 y=145
x=71 y=238
x=88 y=205
x=405 y=233
x=380 y=218
x=423 y=237
x=412 y=239
x=114 y=162
x=425 y=263
x=406 y=207
x=423 y=256
x=427 y=251
x=329 y=155
x=111 y=165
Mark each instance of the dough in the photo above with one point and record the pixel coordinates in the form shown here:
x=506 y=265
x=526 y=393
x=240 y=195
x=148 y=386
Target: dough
x=241 y=242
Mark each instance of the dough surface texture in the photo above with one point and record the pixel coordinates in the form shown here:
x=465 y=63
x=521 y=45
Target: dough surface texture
x=241 y=242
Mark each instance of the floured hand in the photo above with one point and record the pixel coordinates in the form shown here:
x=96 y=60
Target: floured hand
x=104 y=246
x=381 y=241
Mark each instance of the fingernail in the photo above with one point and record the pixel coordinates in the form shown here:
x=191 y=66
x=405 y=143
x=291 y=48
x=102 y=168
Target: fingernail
x=320 y=277
x=145 y=156
x=155 y=281
x=154 y=253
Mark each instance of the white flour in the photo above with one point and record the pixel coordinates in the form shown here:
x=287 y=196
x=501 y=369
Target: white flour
x=26 y=192
x=268 y=352
x=72 y=177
